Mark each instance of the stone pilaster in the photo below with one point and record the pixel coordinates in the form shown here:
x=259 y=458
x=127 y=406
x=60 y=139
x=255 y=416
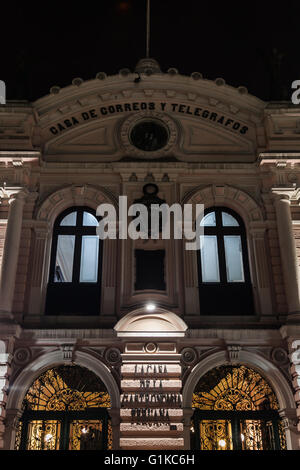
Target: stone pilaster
x=11 y=252
x=288 y=254
x=262 y=269
x=38 y=268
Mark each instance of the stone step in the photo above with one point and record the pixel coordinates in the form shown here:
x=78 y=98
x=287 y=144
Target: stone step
x=142 y=430
x=151 y=443
x=173 y=385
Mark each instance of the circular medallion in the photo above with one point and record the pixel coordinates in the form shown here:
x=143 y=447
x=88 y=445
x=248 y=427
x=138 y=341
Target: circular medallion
x=151 y=348
x=149 y=135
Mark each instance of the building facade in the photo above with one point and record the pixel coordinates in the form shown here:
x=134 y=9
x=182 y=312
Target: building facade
x=143 y=344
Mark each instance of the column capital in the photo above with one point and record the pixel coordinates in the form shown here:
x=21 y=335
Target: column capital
x=19 y=196
x=283 y=192
x=289 y=417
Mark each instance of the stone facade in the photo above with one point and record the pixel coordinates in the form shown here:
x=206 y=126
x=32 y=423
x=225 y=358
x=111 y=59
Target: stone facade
x=225 y=148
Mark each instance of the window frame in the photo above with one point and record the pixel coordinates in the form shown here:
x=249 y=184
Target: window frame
x=74 y=298
x=225 y=298
x=220 y=231
x=78 y=231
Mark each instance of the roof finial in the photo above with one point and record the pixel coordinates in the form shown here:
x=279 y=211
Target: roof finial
x=148 y=30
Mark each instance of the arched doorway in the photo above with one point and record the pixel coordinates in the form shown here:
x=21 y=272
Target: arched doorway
x=235 y=409
x=65 y=409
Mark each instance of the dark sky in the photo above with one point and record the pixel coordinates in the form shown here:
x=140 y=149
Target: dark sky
x=253 y=43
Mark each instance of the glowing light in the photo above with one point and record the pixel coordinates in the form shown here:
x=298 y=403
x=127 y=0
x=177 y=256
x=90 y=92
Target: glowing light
x=242 y=437
x=222 y=443
x=48 y=437
x=150 y=307
x=84 y=430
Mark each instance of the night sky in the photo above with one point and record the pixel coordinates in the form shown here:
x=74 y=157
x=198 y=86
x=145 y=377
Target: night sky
x=255 y=44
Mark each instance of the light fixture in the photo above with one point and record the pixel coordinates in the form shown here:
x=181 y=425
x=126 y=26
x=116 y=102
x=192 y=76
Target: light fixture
x=222 y=443
x=48 y=437
x=84 y=430
x=150 y=307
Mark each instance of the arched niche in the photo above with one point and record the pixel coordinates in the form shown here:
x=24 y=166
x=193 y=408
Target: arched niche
x=268 y=371
x=252 y=213
x=36 y=368
x=45 y=215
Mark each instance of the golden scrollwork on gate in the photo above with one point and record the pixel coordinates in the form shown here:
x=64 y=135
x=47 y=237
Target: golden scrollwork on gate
x=232 y=388
x=66 y=388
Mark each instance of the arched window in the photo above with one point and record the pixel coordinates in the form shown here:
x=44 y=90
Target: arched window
x=235 y=409
x=223 y=266
x=75 y=266
x=65 y=409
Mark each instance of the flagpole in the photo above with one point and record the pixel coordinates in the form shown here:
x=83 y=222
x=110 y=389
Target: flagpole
x=148 y=29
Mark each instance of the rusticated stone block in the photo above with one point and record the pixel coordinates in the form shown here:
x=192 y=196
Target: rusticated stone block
x=151 y=443
x=167 y=385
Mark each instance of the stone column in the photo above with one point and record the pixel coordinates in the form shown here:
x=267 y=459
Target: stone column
x=11 y=251
x=288 y=254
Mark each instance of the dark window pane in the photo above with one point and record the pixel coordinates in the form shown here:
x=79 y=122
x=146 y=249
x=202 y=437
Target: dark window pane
x=150 y=269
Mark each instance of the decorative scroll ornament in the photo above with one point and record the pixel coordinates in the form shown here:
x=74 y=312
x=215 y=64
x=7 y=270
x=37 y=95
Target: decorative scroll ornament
x=280 y=356
x=188 y=356
x=151 y=348
x=113 y=356
x=22 y=356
